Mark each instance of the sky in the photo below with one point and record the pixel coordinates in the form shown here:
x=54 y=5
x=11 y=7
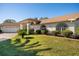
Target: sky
x=21 y=11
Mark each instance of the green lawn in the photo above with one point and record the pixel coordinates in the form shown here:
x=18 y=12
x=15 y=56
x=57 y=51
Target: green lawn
x=40 y=45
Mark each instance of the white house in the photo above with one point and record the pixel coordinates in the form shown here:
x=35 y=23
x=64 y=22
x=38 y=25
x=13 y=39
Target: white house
x=69 y=22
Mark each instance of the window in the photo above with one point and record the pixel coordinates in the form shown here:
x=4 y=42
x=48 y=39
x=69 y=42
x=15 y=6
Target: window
x=61 y=26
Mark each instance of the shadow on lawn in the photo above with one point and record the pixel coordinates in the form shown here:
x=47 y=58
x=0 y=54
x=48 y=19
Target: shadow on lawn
x=29 y=37
x=26 y=42
x=8 y=49
x=36 y=44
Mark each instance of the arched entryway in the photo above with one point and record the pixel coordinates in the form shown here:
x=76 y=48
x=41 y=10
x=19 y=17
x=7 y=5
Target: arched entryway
x=61 y=26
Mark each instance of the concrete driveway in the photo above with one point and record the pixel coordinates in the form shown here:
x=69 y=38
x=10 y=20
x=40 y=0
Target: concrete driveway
x=5 y=36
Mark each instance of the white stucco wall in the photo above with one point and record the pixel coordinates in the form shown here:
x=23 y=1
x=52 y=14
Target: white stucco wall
x=71 y=26
x=35 y=27
x=52 y=26
x=76 y=24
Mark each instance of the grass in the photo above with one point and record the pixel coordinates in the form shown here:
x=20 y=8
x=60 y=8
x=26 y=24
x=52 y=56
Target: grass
x=40 y=45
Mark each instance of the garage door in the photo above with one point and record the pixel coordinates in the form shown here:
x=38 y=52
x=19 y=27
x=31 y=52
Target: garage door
x=10 y=30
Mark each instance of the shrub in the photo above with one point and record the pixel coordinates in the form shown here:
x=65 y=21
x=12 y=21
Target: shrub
x=18 y=40
x=0 y=31
x=44 y=31
x=75 y=36
x=38 y=31
x=60 y=35
x=22 y=32
x=67 y=33
x=31 y=31
x=55 y=32
x=77 y=30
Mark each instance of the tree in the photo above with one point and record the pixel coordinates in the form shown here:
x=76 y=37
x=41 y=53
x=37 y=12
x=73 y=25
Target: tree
x=44 y=18
x=22 y=32
x=9 y=21
x=36 y=18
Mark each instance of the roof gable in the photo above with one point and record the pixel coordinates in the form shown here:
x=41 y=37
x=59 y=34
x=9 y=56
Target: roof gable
x=29 y=20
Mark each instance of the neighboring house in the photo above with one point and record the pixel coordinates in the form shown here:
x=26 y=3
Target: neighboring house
x=57 y=23
x=14 y=27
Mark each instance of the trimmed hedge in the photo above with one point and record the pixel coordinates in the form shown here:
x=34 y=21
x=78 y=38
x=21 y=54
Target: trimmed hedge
x=55 y=33
x=38 y=31
x=75 y=36
x=44 y=31
x=67 y=33
x=41 y=31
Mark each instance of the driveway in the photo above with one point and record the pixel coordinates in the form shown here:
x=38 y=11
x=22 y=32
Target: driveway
x=5 y=36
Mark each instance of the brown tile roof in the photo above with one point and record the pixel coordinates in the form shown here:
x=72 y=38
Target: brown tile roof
x=29 y=20
x=70 y=17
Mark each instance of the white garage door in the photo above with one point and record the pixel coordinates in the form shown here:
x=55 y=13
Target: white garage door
x=10 y=30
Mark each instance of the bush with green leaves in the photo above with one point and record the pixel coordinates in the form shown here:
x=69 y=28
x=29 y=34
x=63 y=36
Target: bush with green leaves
x=77 y=30
x=18 y=40
x=0 y=31
x=67 y=33
x=44 y=31
x=55 y=33
x=22 y=32
x=31 y=31
x=38 y=31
